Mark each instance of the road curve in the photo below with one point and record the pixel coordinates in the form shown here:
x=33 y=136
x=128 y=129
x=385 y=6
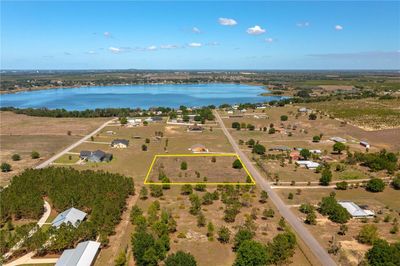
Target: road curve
x=320 y=253
x=74 y=145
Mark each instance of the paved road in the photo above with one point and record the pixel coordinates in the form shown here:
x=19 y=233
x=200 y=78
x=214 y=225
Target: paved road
x=72 y=146
x=320 y=253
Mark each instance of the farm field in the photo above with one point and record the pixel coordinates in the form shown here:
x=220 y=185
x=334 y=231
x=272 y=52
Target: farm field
x=23 y=134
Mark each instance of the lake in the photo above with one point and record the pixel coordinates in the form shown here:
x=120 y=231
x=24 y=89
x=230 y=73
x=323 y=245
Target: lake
x=133 y=96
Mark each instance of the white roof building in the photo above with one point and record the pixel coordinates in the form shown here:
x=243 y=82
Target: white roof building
x=355 y=210
x=72 y=215
x=316 y=151
x=83 y=255
x=308 y=164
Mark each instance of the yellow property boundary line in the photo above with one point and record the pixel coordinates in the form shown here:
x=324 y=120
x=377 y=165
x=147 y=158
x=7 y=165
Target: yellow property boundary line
x=253 y=182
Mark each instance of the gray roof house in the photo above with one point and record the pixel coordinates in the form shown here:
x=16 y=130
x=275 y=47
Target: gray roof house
x=83 y=255
x=96 y=156
x=72 y=215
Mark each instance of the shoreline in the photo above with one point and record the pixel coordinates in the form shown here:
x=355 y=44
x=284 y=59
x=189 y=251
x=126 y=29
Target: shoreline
x=264 y=87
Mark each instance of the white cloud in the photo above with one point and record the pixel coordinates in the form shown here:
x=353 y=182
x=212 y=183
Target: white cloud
x=196 y=30
x=169 y=46
x=338 y=27
x=227 y=21
x=269 y=40
x=256 y=30
x=115 y=50
x=151 y=48
x=107 y=34
x=303 y=24
x=92 y=52
x=195 y=44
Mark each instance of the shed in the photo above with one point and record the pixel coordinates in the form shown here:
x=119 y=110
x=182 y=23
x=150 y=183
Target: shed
x=83 y=255
x=338 y=139
x=72 y=216
x=355 y=210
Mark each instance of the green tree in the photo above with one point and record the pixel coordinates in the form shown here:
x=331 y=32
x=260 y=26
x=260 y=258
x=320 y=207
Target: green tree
x=184 y=165
x=284 y=117
x=368 y=234
x=326 y=177
x=375 y=185
x=242 y=235
x=251 y=253
x=312 y=116
x=281 y=248
x=141 y=242
x=180 y=258
x=224 y=234
x=339 y=147
x=156 y=191
x=210 y=231
x=121 y=259
x=316 y=139
x=123 y=120
x=35 y=155
x=382 y=253
x=268 y=213
x=195 y=202
x=237 y=164
x=5 y=167
x=342 y=185
x=236 y=125
x=259 y=149
x=305 y=153
x=311 y=218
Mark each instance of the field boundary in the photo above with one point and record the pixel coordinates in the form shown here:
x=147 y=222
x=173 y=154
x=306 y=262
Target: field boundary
x=253 y=182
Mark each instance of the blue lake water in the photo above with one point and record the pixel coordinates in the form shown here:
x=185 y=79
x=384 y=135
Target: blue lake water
x=133 y=96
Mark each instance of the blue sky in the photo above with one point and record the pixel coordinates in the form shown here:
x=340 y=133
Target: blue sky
x=200 y=35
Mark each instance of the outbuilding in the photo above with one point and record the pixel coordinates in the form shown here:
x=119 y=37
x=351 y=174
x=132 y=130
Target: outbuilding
x=198 y=148
x=84 y=254
x=120 y=143
x=355 y=210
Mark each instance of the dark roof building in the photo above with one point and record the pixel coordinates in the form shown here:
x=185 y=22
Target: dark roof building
x=96 y=156
x=120 y=143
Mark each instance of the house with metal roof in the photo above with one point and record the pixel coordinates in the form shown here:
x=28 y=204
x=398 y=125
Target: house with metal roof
x=308 y=164
x=338 y=139
x=355 y=210
x=83 y=255
x=120 y=143
x=95 y=156
x=72 y=216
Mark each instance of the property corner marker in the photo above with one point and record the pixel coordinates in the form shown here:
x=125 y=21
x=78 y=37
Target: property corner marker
x=146 y=182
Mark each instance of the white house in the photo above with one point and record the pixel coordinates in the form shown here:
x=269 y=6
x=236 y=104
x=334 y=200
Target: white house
x=355 y=210
x=120 y=143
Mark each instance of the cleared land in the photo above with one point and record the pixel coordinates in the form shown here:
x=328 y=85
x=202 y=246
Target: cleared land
x=207 y=169
x=23 y=134
x=369 y=114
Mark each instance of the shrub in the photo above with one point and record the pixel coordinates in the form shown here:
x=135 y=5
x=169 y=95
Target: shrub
x=224 y=234
x=375 y=185
x=186 y=189
x=236 y=125
x=336 y=213
x=242 y=235
x=5 y=167
x=251 y=253
x=16 y=157
x=339 y=147
x=316 y=139
x=35 y=155
x=306 y=208
x=312 y=116
x=383 y=253
x=342 y=185
x=368 y=234
x=396 y=182
x=326 y=177
x=284 y=117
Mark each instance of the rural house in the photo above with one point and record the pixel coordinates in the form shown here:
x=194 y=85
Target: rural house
x=120 y=143
x=96 y=156
x=338 y=139
x=84 y=254
x=72 y=216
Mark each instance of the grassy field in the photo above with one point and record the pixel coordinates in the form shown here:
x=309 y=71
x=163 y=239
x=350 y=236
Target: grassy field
x=23 y=134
